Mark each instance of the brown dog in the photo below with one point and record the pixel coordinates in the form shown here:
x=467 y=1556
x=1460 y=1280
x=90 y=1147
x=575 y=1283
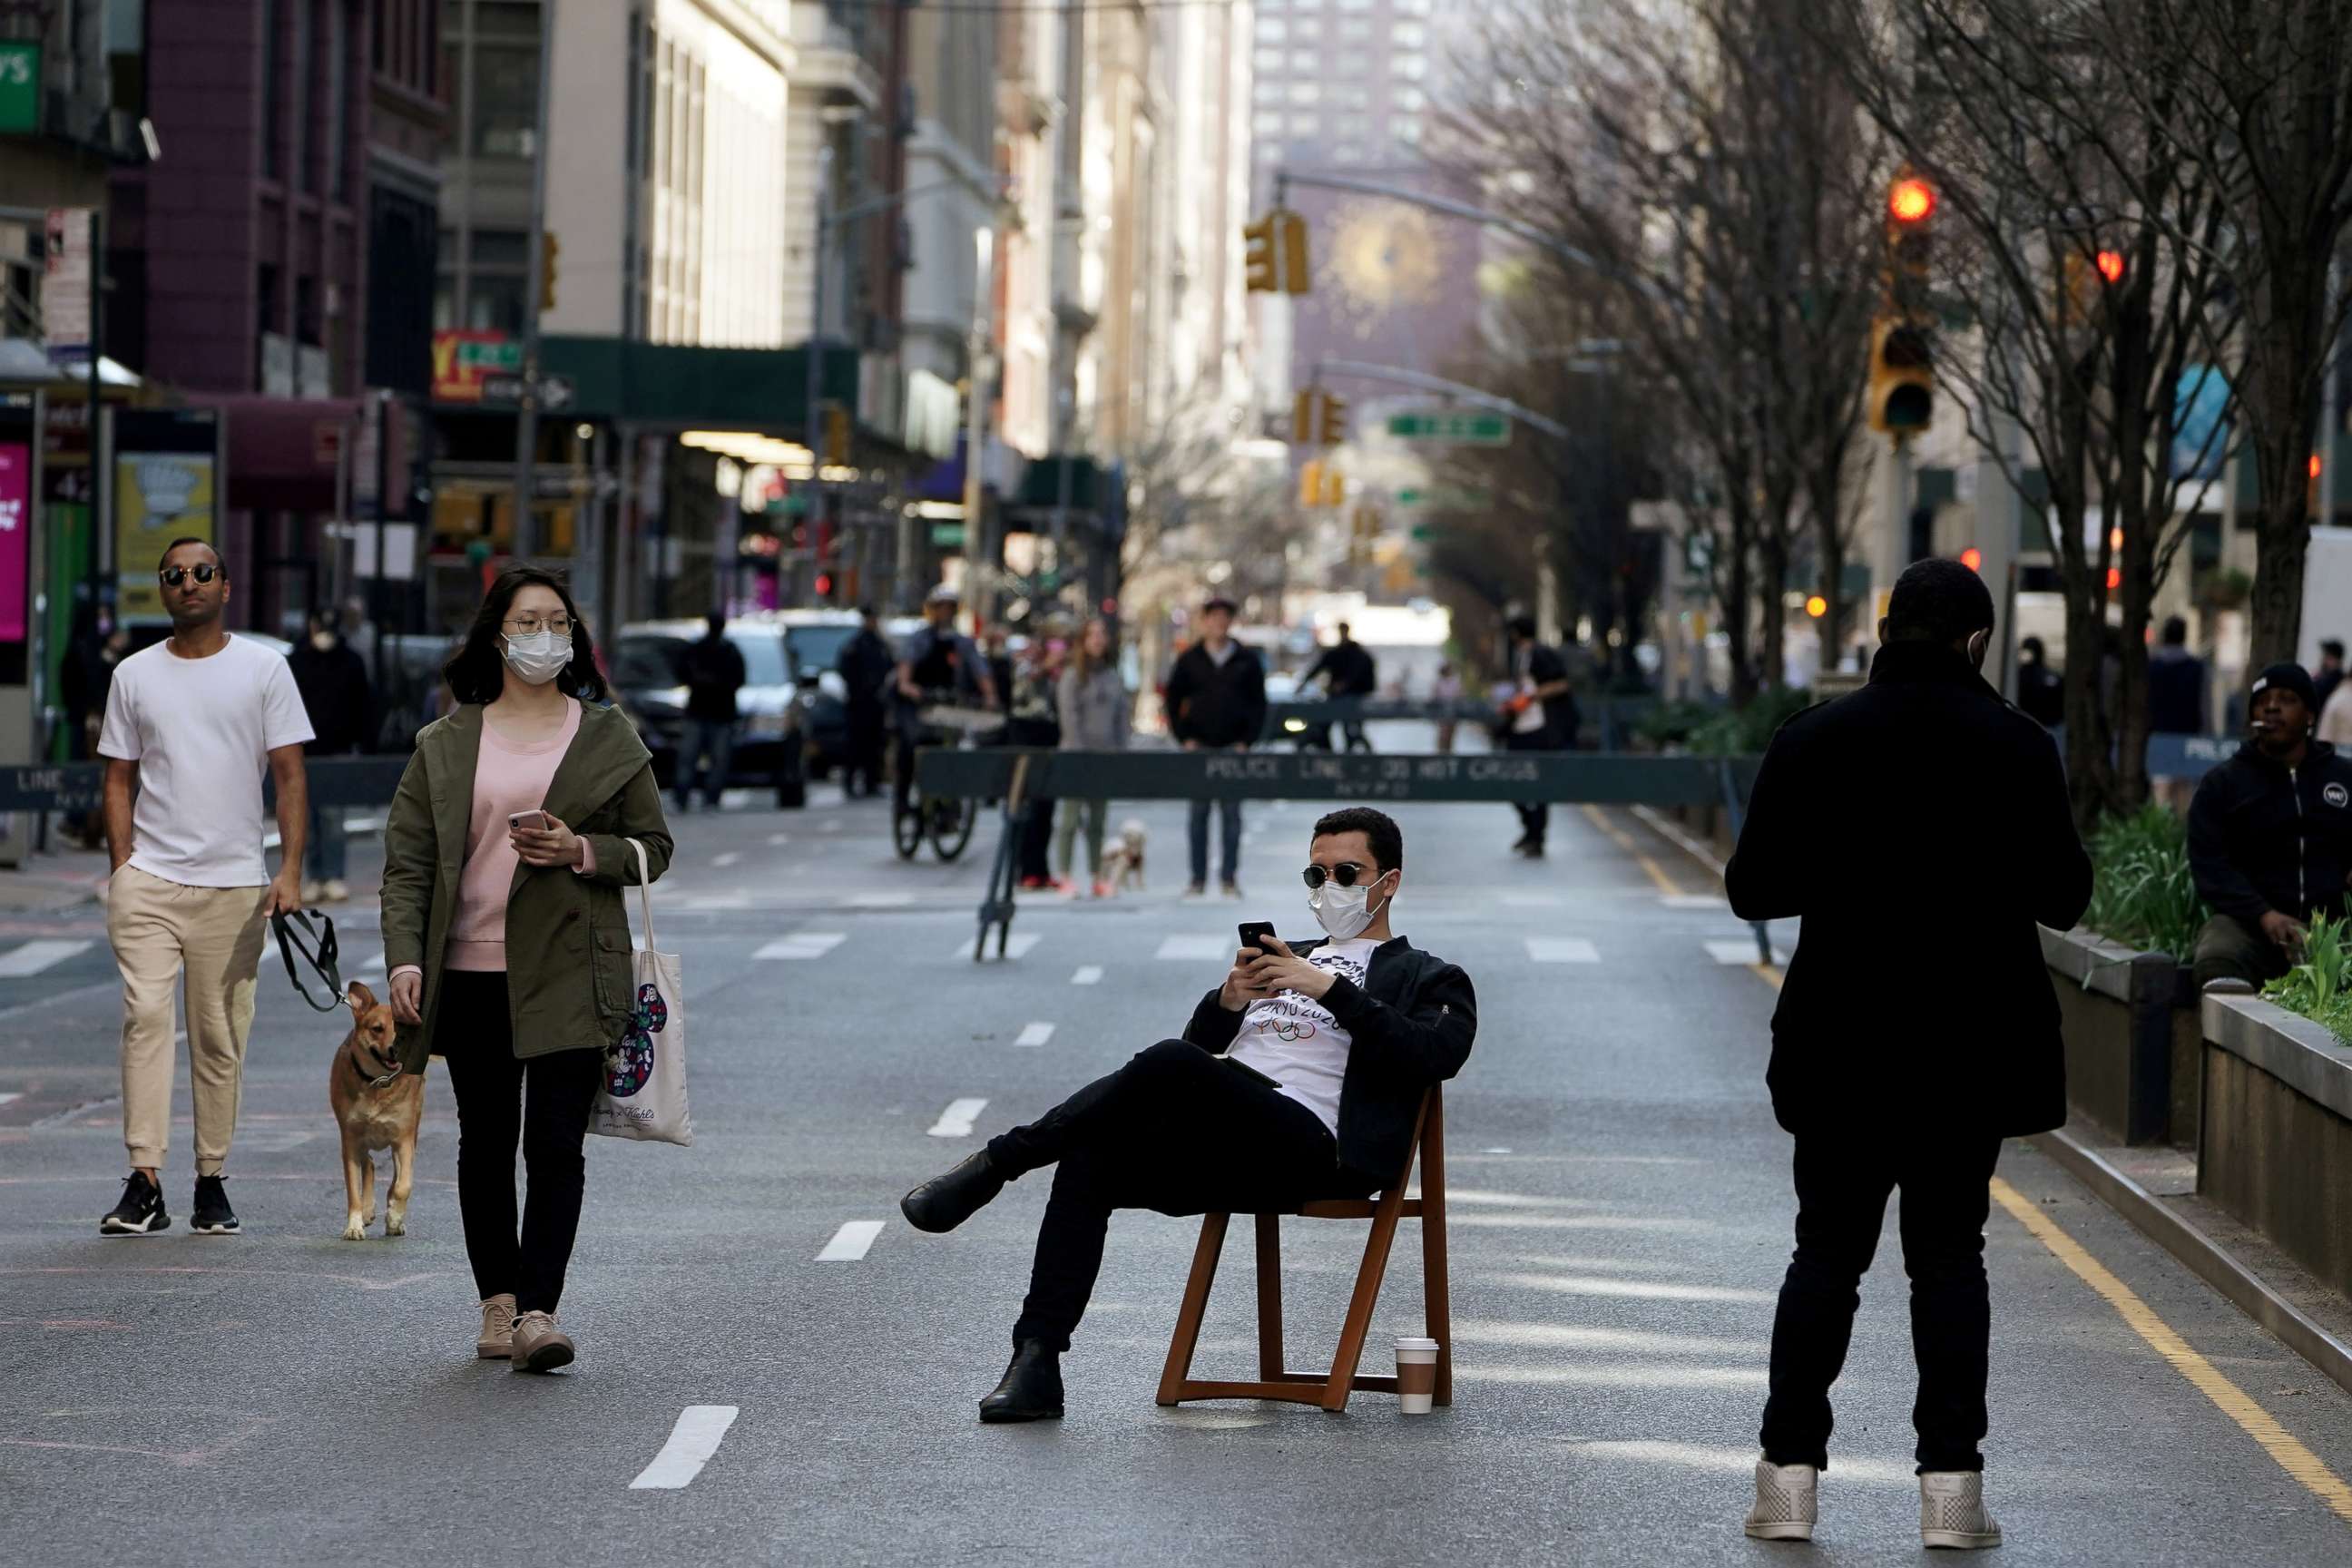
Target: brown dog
x=378 y=1107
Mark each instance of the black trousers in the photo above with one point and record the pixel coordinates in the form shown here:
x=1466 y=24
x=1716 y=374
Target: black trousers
x=1175 y=1129
x=492 y=1116
x=1535 y=818
x=863 y=766
x=1843 y=1184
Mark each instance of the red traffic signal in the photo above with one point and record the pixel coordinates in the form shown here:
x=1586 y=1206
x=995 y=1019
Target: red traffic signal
x=1911 y=200
x=2110 y=264
x=1972 y=558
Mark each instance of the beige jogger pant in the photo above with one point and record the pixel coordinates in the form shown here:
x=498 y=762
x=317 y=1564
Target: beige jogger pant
x=158 y=928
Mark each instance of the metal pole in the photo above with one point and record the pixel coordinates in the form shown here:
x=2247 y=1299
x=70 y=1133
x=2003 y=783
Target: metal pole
x=101 y=521
x=379 y=594
x=979 y=538
x=527 y=415
x=813 y=394
x=2331 y=413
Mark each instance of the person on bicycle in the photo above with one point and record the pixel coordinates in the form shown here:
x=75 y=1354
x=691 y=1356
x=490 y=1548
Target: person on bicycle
x=939 y=666
x=1351 y=676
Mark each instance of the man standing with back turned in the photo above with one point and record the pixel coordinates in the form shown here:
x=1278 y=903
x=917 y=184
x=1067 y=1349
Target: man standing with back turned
x=1886 y=1080
x=190 y=725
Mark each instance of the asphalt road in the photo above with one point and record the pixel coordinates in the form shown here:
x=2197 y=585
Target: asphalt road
x=1621 y=1217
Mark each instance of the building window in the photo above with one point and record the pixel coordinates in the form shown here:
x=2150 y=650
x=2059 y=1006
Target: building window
x=506 y=100
x=1354 y=65
x=1306 y=61
x=1408 y=130
x=1272 y=31
x=1266 y=124
x=333 y=46
x=1355 y=29
x=1410 y=99
x=1305 y=92
x=1269 y=59
x=273 y=108
x=1410 y=67
x=1409 y=35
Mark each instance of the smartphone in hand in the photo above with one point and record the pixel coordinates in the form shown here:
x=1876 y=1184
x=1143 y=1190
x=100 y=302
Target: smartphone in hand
x=535 y=821
x=1258 y=934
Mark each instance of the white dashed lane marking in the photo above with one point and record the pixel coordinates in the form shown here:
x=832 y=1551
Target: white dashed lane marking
x=1531 y=900
x=850 y=1242
x=803 y=944
x=35 y=956
x=956 y=1121
x=778 y=840
x=1562 y=950
x=691 y=1443
x=4 y=1098
x=723 y=861
x=1035 y=1035
x=1088 y=975
x=1198 y=949
x=1018 y=946
x=880 y=901
x=1740 y=951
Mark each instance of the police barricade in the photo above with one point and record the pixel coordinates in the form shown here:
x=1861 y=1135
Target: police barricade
x=80 y=787
x=1017 y=775
x=1297 y=720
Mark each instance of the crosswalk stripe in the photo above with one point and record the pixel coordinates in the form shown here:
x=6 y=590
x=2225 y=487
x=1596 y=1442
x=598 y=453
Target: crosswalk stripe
x=850 y=1242
x=728 y=858
x=778 y=840
x=1035 y=1035
x=373 y=964
x=1562 y=950
x=1018 y=946
x=35 y=956
x=1740 y=951
x=1088 y=975
x=691 y=1443
x=1710 y=901
x=4 y=1098
x=1531 y=900
x=1197 y=949
x=956 y=1121
x=804 y=944
x=880 y=901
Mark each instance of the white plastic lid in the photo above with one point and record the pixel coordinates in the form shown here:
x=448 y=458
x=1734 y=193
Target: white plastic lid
x=1408 y=1343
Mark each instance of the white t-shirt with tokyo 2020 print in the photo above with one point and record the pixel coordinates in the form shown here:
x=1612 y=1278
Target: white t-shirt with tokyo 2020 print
x=1296 y=1041
x=201 y=731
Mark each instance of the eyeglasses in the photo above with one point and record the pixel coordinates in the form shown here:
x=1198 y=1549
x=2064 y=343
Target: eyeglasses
x=532 y=626
x=203 y=570
x=1345 y=873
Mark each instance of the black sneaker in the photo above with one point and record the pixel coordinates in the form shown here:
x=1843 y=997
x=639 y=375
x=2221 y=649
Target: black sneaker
x=213 y=1216
x=140 y=1211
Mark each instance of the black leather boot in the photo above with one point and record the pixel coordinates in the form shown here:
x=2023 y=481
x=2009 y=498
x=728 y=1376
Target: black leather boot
x=947 y=1201
x=1031 y=1389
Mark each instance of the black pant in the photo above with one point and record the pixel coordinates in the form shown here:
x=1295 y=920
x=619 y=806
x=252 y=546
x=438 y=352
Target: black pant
x=1535 y=818
x=1175 y=1129
x=1229 y=829
x=1038 y=841
x=863 y=767
x=1842 y=1183
x=489 y=1083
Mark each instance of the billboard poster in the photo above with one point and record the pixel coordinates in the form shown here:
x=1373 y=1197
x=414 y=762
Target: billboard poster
x=15 y=535
x=462 y=358
x=166 y=486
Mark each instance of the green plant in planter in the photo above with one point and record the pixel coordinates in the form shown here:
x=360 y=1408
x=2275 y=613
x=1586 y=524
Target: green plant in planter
x=2143 y=892
x=2320 y=987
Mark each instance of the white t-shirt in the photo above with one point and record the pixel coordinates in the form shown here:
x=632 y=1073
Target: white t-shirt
x=1298 y=1043
x=201 y=731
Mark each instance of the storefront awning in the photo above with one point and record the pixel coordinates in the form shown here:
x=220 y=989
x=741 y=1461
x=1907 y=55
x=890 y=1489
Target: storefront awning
x=682 y=386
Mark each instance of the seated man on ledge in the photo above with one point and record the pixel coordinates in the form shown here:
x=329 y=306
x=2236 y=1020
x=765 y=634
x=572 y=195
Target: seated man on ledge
x=1329 y=1048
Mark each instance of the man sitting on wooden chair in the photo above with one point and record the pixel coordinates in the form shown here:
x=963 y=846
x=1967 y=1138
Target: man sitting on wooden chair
x=1328 y=1049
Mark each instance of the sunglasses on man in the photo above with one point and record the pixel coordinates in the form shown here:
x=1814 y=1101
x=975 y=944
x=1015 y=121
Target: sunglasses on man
x=203 y=570
x=1345 y=873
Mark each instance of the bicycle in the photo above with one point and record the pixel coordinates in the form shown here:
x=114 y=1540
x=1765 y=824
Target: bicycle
x=946 y=821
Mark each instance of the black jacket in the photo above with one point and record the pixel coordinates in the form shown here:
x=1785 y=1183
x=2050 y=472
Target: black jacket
x=1412 y=1029
x=1217 y=705
x=1352 y=670
x=337 y=696
x=713 y=671
x=1919 y=829
x=2263 y=838
x=866 y=667
x=2176 y=693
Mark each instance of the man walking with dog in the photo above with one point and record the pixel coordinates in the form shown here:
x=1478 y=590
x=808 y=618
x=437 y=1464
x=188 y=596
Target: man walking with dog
x=1327 y=1049
x=191 y=724
x=1888 y=1075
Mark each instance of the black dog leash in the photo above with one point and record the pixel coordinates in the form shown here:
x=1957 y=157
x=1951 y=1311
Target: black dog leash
x=316 y=946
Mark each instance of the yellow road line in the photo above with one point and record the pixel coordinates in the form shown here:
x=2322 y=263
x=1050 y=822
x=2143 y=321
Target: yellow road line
x=1768 y=973
x=1617 y=836
x=2296 y=1460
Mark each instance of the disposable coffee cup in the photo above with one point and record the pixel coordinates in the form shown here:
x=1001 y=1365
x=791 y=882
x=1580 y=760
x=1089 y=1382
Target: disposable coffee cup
x=1416 y=1373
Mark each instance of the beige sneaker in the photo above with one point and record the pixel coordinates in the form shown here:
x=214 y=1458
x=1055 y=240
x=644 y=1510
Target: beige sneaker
x=539 y=1344
x=337 y=890
x=1785 y=1501
x=497 y=1329
x=1952 y=1510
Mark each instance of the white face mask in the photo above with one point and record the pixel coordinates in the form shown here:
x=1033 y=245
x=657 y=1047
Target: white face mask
x=539 y=657
x=1343 y=912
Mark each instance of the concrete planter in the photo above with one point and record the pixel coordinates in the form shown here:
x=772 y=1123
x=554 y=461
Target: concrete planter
x=2132 y=1044
x=2275 y=1148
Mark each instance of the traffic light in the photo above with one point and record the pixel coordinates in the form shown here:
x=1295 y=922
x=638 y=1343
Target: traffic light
x=1335 y=420
x=1310 y=484
x=1910 y=238
x=1275 y=253
x=548 y=248
x=1335 y=485
x=837 y=435
x=1902 y=376
x=2088 y=276
x=1318 y=418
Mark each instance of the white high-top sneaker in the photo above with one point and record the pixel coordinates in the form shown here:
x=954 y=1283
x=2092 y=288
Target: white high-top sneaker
x=1952 y=1510
x=1784 y=1501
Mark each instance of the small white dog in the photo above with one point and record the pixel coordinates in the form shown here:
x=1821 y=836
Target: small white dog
x=1123 y=863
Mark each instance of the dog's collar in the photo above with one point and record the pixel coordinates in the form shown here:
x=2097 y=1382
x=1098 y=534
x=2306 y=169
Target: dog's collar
x=361 y=1073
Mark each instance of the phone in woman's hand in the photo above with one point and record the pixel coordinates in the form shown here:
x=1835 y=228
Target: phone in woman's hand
x=535 y=821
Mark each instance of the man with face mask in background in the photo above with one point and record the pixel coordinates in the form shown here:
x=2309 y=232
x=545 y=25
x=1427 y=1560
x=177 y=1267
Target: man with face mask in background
x=1919 y=828
x=333 y=681
x=1329 y=1047
x=2270 y=839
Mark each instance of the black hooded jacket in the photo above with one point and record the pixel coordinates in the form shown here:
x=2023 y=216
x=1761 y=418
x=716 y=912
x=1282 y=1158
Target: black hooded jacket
x=2264 y=838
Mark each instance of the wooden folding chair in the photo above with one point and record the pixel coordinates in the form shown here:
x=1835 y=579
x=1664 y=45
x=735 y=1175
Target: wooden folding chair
x=1329 y=1390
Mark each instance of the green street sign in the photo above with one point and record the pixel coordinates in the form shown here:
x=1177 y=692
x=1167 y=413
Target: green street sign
x=1453 y=498
x=1424 y=531
x=1469 y=428
x=948 y=535
x=20 y=88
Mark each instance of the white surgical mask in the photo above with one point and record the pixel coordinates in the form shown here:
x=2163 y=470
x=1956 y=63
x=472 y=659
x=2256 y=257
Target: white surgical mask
x=539 y=657
x=1342 y=912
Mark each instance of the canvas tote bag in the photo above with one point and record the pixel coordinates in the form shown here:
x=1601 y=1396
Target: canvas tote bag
x=644 y=1092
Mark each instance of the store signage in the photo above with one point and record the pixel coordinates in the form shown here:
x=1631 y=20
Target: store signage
x=463 y=361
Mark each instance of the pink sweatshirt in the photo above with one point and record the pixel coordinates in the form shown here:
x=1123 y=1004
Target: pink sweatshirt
x=507 y=778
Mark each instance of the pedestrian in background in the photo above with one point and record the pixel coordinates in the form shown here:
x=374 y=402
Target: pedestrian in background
x=1097 y=715
x=713 y=673
x=1216 y=701
x=1884 y=1084
x=2330 y=673
x=865 y=664
x=2335 y=718
x=191 y=724
x=2040 y=692
x=939 y=667
x=1539 y=716
x=516 y=971
x=333 y=681
x=85 y=676
x=1445 y=691
x=1350 y=674
x=2175 y=684
x=1034 y=719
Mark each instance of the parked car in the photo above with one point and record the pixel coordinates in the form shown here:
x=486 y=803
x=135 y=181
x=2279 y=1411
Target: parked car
x=647 y=674
x=814 y=639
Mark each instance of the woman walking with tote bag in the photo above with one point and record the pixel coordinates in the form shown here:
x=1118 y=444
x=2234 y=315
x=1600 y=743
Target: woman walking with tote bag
x=1097 y=713
x=507 y=936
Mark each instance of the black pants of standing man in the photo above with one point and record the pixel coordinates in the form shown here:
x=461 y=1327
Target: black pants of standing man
x=1844 y=1179
x=861 y=769
x=1175 y=1129
x=1534 y=817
